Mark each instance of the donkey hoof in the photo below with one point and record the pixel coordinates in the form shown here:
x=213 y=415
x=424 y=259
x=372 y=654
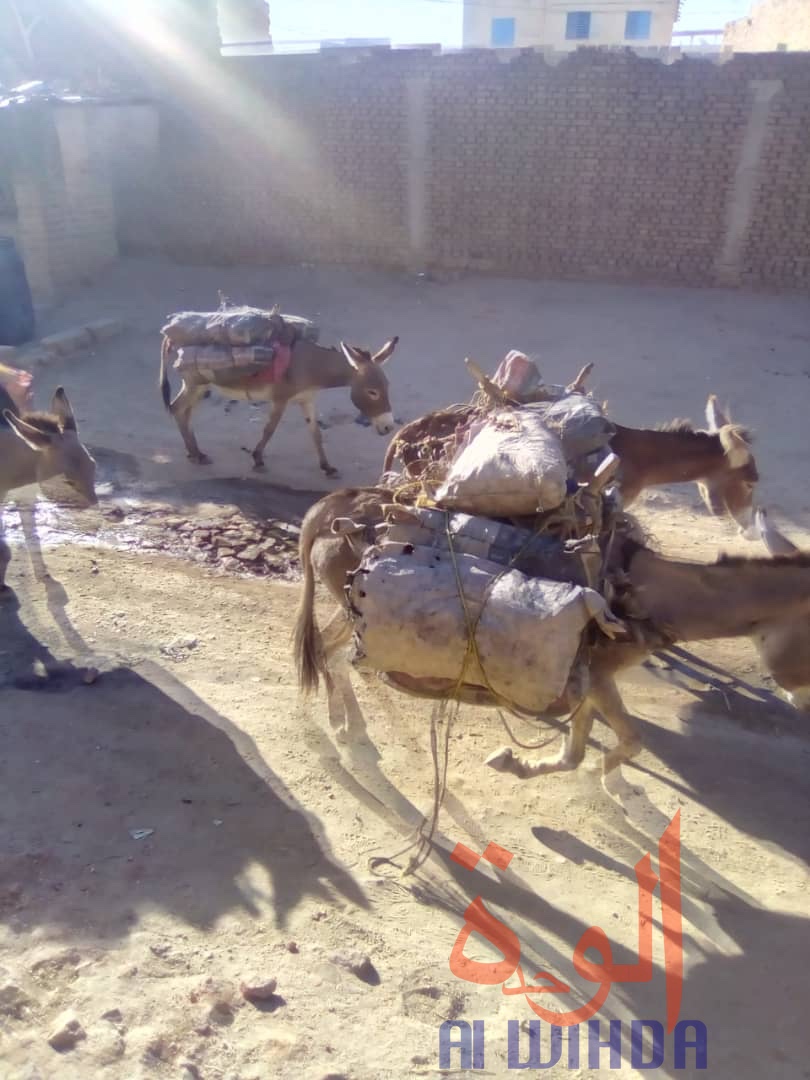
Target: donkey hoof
x=330 y=470
x=200 y=459
x=501 y=760
x=258 y=464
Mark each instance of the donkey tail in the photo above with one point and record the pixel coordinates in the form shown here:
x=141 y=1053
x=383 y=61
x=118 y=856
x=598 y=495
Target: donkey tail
x=165 y=387
x=307 y=642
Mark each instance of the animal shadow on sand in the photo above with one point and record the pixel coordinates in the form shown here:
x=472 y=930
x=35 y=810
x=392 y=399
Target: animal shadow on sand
x=83 y=767
x=746 y=965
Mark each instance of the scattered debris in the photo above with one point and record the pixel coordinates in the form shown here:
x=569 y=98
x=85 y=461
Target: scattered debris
x=178 y=648
x=14 y=1002
x=359 y=965
x=66 y=1033
x=256 y=990
x=292 y=947
x=140 y=834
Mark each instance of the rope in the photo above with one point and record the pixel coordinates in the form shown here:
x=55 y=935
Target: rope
x=424 y=837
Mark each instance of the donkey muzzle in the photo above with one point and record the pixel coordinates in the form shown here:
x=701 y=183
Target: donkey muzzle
x=384 y=423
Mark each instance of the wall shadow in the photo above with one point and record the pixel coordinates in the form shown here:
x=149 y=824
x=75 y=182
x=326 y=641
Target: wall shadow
x=83 y=765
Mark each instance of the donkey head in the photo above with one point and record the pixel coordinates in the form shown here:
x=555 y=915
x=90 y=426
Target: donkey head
x=369 y=386
x=60 y=453
x=731 y=488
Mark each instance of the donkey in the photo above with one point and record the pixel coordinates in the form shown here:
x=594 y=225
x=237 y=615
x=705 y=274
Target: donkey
x=37 y=446
x=312 y=368
x=735 y=597
x=784 y=645
x=664 y=601
x=719 y=459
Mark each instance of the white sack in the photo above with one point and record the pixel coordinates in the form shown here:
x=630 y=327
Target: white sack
x=410 y=620
x=510 y=466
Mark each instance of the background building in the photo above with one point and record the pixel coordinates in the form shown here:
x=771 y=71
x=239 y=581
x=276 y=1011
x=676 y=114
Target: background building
x=772 y=26
x=567 y=24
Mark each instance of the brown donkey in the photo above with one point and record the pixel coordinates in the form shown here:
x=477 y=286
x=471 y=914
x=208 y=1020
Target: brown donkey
x=720 y=459
x=664 y=601
x=37 y=446
x=312 y=368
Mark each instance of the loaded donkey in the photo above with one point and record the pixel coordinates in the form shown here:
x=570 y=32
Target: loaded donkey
x=296 y=369
x=718 y=459
x=662 y=601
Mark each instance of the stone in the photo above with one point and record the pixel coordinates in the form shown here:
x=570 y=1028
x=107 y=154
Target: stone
x=359 y=965
x=67 y=1032
x=250 y=554
x=14 y=1002
x=258 y=989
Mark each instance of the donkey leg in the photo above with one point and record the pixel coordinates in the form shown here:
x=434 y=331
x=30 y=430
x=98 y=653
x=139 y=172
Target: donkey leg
x=5 y=559
x=345 y=715
x=607 y=700
x=276 y=412
x=181 y=409
x=568 y=758
x=310 y=415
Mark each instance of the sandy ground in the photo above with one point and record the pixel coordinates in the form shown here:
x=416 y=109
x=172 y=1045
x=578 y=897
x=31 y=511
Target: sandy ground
x=186 y=823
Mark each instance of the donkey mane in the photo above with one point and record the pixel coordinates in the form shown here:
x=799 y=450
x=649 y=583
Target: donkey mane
x=686 y=427
x=800 y=560
x=679 y=427
x=49 y=423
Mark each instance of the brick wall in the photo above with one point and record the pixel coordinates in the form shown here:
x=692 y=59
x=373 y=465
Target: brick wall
x=771 y=24
x=60 y=208
x=604 y=164
x=601 y=165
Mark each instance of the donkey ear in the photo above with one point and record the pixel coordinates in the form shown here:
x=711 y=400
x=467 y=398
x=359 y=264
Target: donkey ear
x=354 y=356
x=774 y=541
x=385 y=352
x=60 y=405
x=737 y=450
x=30 y=435
x=715 y=417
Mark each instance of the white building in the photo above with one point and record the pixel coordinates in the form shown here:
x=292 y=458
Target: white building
x=567 y=24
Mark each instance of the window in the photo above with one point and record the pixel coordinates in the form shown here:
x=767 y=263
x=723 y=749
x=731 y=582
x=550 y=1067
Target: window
x=578 y=25
x=637 y=26
x=781 y=47
x=503 y=33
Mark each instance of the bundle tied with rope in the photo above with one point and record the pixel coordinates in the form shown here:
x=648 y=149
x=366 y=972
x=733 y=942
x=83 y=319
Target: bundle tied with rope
x=486 y=583
x=238 y=338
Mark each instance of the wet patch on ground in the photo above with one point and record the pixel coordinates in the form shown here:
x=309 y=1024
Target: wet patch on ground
x=238 y=527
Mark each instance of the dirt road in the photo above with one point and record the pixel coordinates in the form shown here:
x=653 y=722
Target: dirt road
x=184 y=823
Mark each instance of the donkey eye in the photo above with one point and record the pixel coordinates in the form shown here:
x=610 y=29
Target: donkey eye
x=373 y=394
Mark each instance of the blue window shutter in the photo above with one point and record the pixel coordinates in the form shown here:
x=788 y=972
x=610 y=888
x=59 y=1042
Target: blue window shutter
x=578 y=25
x=503 y=33
x=637 y=26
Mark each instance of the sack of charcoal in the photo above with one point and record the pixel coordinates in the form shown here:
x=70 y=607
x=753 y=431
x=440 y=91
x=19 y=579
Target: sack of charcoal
x=519 y=462
x=412 y=605
x=543 y=555
x=219 y=357
x=509 y=465
x=238 y=326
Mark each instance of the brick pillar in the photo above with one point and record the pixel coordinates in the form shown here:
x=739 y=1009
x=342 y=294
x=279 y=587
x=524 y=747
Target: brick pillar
x=742 y=197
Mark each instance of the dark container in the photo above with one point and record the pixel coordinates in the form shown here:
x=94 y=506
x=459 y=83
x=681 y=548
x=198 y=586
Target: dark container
x=16 y=307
